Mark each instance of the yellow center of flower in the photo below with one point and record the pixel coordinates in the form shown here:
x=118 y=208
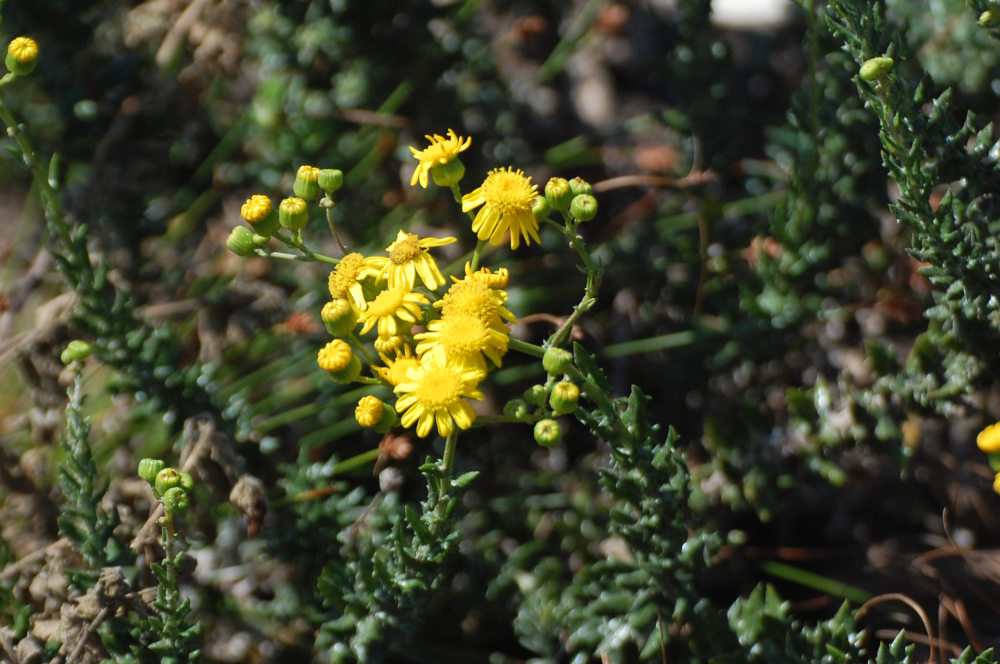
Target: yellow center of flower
x=386 y=303
x=399 y=368
x=462 y=335
x=23 y=49
x=469 y=298
x=509 y=192
x=439 y=386
x=345 y=274
x=256 y=208
x=405 y=250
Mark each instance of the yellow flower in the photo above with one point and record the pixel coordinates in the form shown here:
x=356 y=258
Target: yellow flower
x=472 y=297
x=988 y=439
x=506 y=197
x=395 y=371
x=434 y=393
x=438 y=153
x=389 y=307
x=344 y=281
x=408 y=259
x=464 y=339
x=256 y=208
x=369 y=411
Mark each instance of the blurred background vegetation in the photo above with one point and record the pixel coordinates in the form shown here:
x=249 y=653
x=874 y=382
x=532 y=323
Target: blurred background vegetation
x=758 y=288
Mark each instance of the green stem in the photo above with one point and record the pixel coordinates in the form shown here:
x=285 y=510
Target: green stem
x=525 y=347
x=480 y=245
x=50 y=201
x=448 y=460
x=297 y=243
x=355 y=462
x=333 y=227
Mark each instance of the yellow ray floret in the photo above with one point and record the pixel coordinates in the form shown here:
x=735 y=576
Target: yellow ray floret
x=506 y=197
x=408 y=259
x=345 y=281
x=434 y=394
x=438 y=153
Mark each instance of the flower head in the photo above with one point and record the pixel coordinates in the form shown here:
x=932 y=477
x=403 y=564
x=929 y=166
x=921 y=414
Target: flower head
x=394 y=372
x=259 y=213
x=441 y=151
x=472 y=296
x=344 y=281
x=506 y=197
x=408 y=259
x=434 y=393
x=465 y=339
x=369 y=411
x=389 y=308
x=335 y=356
x=487 y=276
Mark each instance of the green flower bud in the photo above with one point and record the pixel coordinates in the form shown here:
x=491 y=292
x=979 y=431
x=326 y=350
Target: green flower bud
x=166 y=479
x=176 y=500
x=540 y=208
x=306 y=185
x=348 y=373
x=149 y=468
x=240 y=241
x=187 y=482
x=557 y=361
x=583 y=207
x=536 y=395
x=339 y=317
x=547 y=433
x=293 y=213
x=75 y=351
x=875 y=68
x=515 y=410
x=558 y=194
x=580 y=186
x=22 y=56
x=330 y=179
x=449 y=173
x=564 y=397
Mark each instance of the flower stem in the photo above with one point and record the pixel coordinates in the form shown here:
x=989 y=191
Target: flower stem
x=333 y=227
x=480 y=245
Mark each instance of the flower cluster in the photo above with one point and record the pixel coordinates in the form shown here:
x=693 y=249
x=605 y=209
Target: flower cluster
x=396 y=320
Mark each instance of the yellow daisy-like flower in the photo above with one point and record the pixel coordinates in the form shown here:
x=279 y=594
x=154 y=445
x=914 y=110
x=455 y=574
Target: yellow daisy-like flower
x=408 y=259
x=345 y=281
x=506 y=197
x=464 y=339
x=472 y=297
x=988 y=439
x=434 y=393
x=438 y=153
x=389 y=307
x=394 y=372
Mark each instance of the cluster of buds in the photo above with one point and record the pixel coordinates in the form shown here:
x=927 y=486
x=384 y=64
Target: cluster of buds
x=542 y=403
x=573 y=197
x=264 y=221
x=170 y=486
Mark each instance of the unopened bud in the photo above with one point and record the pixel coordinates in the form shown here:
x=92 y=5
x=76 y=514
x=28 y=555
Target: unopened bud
x=293 y=213
x=583 y=207
x=564 y=397
x=449 y=173
x=536 y=395
x=241 y=241
x=166 y=479
x=339 y=317
x=557 y=361
x=176 y=500
x=547 y=433
x=22 y=56
x=260 y=214
x=515 y=410
x=580 y=186
x=558 y=194
x=306 y=185
x=330 y=179
x=149 y=468
x=540 y=208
